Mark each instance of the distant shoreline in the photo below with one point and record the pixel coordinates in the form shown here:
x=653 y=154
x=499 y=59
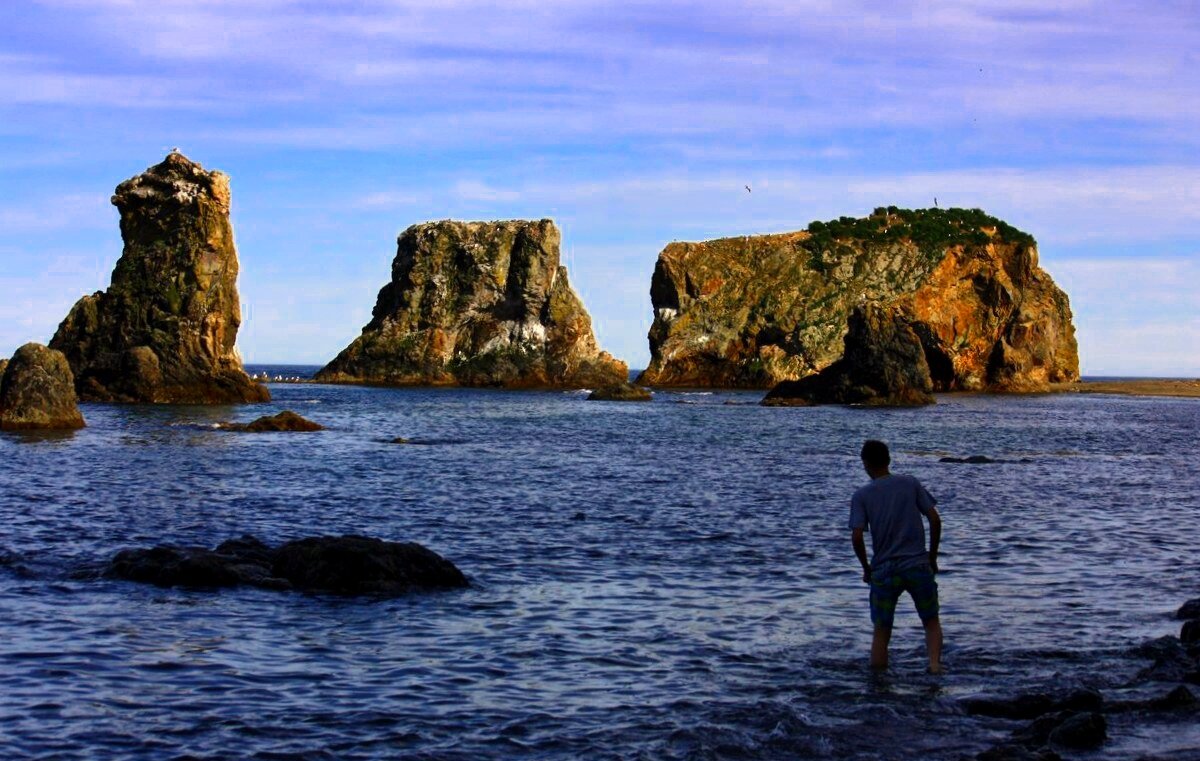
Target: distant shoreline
x=1181 y=387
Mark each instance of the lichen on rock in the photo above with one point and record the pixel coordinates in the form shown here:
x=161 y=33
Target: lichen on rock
x=165 y=329
x=757 y=310
x=477 y=304
x=37 y=391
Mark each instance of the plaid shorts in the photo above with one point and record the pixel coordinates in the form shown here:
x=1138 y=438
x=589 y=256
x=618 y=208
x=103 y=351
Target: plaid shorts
x=887 y=587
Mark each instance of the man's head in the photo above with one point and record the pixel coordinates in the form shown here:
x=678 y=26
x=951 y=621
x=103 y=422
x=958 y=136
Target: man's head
x=875 y=457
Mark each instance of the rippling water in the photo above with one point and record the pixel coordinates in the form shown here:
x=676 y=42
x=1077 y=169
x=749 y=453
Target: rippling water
x=663 y=580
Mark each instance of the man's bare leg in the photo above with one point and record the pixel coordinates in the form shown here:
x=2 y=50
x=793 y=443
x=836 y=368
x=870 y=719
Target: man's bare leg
x=933 y=644
x=879 y=647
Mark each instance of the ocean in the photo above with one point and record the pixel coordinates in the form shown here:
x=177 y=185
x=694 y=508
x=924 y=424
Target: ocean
x=671 y=580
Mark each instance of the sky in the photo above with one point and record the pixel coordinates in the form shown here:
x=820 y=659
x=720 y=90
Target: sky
x=631 y=124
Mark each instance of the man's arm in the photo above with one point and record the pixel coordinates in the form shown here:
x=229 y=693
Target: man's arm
x=860 y=549
x=935 y=537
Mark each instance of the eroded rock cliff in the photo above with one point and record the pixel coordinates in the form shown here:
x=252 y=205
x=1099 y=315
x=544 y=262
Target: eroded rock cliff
x=478 y=304
x=164 y=331
x=883 y=365
x=754 y=311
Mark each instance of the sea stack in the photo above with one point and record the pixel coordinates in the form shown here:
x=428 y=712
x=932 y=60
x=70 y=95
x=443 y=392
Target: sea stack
x=165 y=329
x=478 y=304
x=754 y=311
x=37 y=391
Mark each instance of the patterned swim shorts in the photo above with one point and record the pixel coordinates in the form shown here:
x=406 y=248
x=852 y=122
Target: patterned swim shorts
x=887 y=587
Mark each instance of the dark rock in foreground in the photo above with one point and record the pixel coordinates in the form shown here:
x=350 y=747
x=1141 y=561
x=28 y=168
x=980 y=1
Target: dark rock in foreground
x=883 y=365
x=341 y=565
x=1189 y=610
x=165 y=329
x=477 y=304
x=1081 y=731
x=37 y=392
x=621 y=392
x=286 y=421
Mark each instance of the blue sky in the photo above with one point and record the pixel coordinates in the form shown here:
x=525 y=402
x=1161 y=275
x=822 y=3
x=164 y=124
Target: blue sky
x=631 y=124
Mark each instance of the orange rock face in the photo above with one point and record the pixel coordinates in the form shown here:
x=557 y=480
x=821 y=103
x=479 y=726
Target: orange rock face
x=754 y=311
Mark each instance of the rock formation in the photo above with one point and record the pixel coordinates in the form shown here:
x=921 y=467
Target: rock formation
x=37 y=391
x=3 y=367
x=753 y=311
x=164 y=331
x=882 y=365
x=286 y=421
x=621 y=392
x=477 y=304
x=343 y=565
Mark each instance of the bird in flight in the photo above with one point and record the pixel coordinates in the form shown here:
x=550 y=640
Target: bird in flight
x=747 y=187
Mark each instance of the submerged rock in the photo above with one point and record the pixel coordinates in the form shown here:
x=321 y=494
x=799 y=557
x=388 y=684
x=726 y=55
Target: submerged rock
x=882 y=365
x=342 y=565
x=165 y=329
x=37 y=391
x=621 y=392
x=1082 y=731
x=477 y=304
x=286 y=421
x=754 y=311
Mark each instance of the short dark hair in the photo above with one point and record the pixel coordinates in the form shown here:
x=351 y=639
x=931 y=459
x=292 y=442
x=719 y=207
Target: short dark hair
x=875 y=454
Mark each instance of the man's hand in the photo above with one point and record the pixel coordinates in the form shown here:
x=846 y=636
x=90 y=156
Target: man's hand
x=933 y=565
x=866 y=575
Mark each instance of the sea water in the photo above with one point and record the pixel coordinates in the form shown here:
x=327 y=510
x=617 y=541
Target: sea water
x=662 y=580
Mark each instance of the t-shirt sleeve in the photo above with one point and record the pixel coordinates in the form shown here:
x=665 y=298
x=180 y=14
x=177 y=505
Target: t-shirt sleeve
x=858 y=512
x=925 y=500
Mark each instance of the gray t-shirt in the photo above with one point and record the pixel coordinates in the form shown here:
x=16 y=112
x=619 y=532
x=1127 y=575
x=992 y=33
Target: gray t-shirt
x=890 y=508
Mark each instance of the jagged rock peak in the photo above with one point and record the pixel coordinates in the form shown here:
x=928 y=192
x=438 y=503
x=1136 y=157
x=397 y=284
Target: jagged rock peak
x=165 y=330
x=754 y=311
x=478 y=304
x=174 y=181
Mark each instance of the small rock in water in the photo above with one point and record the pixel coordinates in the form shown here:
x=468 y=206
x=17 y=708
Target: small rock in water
x=37 y=392
x=1084 y=731
x=1180 y=697
x=621 y=392
x=579 y=516
x=284 y=421
x=975 y=459
x=399 y=440
x=342 y=565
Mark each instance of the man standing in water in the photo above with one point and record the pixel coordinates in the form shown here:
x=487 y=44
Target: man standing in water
x=890 y=507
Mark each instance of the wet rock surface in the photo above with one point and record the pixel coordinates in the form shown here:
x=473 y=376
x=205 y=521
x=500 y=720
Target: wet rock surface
x=882 y=365
x=478 y=304
x=286 y=421
x=622 y=392
x=753 y=311
x=37 y=392
x=341 y=565
x=164 y=331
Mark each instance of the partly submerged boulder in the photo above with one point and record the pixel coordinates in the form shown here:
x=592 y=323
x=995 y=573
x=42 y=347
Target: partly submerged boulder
x=343 y=565
x=286 y=421
x=165 y=329
x=477 y=304
x=882 y=365
x=753 y=311
x=621 y=392
x=37 y=391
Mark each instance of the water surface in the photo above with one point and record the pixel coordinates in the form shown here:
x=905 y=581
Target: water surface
x=663 y=580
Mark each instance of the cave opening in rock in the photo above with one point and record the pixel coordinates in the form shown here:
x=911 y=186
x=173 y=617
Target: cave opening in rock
x=941 y=367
